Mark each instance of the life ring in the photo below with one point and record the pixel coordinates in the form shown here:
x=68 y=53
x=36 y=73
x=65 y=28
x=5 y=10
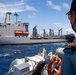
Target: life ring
x=52 y=70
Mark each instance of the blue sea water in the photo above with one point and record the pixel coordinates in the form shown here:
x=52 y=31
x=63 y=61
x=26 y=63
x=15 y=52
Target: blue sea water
x=10 y=52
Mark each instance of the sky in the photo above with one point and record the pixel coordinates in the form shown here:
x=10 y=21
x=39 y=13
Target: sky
x=46 y=14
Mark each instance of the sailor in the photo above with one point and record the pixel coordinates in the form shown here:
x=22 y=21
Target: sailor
x=69 y=57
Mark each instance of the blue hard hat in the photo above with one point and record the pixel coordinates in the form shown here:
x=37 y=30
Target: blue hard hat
x=73 y=7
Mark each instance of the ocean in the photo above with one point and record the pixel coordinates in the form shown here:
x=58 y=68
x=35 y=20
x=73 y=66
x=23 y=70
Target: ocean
x=10 y=52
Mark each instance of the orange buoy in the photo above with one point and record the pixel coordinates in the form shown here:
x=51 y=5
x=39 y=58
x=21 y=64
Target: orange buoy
x=54 y=67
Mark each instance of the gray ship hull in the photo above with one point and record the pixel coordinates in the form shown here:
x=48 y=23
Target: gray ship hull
x=27 y=41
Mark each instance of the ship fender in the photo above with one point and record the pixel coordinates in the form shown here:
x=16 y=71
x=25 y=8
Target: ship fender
x=39 y=68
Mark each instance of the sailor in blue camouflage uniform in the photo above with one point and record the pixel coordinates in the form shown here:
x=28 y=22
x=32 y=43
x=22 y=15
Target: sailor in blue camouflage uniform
x=69 y=57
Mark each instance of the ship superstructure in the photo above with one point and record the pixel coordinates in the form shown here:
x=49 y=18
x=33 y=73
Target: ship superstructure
x=13 y=30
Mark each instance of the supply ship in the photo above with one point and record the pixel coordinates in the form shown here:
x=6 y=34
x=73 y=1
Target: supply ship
x=18 y=32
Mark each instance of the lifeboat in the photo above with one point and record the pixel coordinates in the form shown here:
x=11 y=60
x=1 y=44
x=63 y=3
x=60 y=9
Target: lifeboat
x=25 y=32
x=21 y=32
x=18 y=32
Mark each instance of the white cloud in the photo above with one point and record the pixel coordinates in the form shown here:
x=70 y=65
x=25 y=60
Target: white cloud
x=53 y=6
x=63 y=25
x=66 y=28
x=57 y=23
x=32 y=16
x=69 y=30
x=12 y=7
x=30 y=8
x=65 y=5
x=2 y=5
x=20 y=3
x=17 y=6
x=2 y=15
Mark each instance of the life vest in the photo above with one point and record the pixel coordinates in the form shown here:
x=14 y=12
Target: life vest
x=54 y=66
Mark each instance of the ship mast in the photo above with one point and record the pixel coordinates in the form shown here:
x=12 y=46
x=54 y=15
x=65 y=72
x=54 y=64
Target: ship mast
x=16 y=14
